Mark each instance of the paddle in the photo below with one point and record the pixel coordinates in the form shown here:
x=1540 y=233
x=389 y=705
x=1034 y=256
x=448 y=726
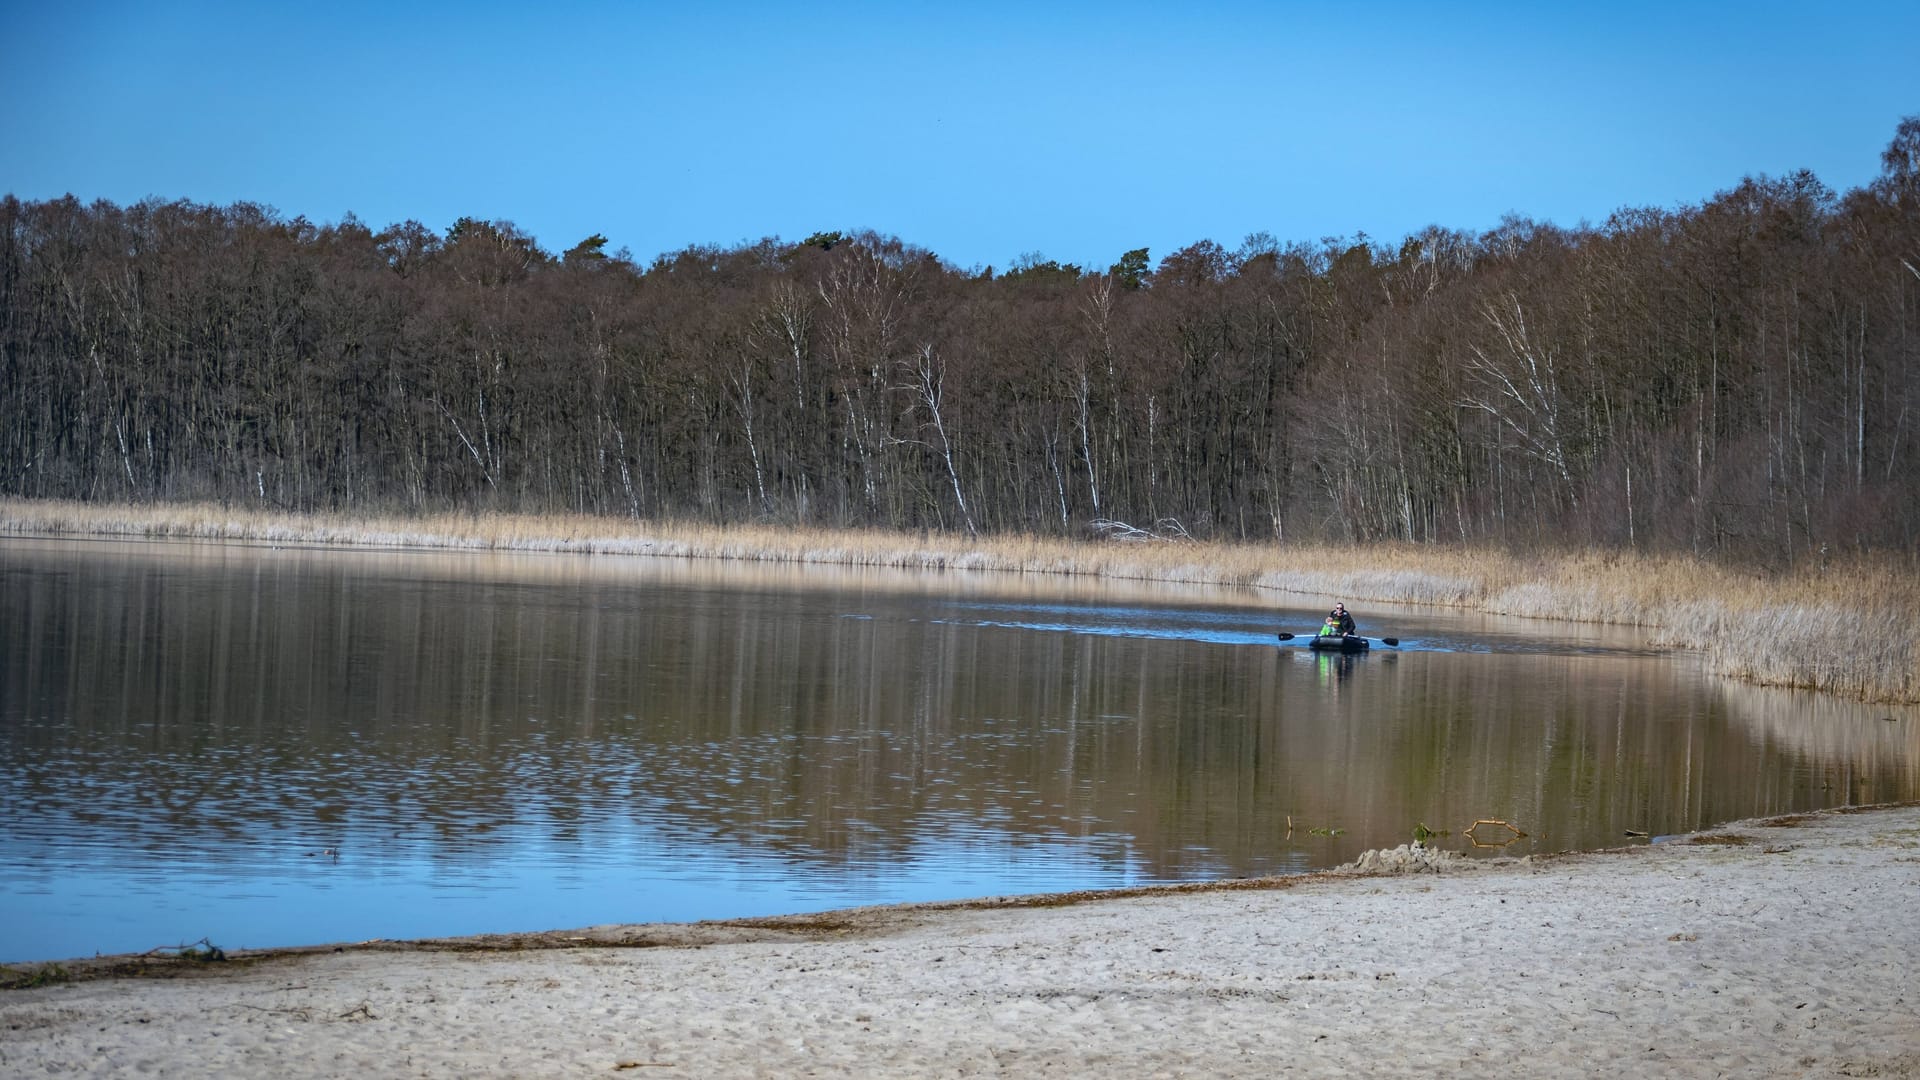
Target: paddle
x=1284 y=636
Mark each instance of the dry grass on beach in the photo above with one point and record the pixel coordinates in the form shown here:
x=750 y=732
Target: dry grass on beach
x=1850 y=627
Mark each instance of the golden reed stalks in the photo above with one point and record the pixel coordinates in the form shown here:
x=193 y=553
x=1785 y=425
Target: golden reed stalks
x=1850 y=627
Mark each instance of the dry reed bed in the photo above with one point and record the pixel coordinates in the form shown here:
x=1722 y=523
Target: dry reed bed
x=1847 y=628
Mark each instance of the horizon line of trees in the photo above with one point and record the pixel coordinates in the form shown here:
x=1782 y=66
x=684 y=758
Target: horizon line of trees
x=1735 y=379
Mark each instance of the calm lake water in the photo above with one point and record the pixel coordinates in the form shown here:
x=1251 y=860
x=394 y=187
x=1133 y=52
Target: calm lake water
x=264 y=746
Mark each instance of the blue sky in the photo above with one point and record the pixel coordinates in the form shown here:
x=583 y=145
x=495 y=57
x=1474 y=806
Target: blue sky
x=982 y=132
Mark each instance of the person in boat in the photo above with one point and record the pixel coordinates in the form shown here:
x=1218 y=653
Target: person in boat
x=1330 y=628
x=1341 y=619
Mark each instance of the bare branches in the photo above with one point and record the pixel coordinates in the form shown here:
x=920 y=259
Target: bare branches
x=468 y=443
x=1732 y=377
x=1518 y=384
x=1163 y=531
x=926 y=381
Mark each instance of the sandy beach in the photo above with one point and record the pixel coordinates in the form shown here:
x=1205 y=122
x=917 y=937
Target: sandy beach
x=1777 y=947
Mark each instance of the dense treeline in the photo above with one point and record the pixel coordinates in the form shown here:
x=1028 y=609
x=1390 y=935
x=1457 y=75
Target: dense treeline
x=1735 y=378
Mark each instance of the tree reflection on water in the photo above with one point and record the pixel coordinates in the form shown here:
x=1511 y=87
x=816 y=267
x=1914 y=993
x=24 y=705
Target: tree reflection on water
x=197 y=717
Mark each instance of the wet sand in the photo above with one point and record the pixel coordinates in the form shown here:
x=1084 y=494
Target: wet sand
x=1779 y=947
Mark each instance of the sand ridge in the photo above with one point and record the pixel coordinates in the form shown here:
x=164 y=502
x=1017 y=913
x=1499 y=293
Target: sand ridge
x=1778 y=947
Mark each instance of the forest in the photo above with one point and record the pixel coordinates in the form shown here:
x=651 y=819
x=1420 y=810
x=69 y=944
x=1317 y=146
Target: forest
x=1734 y=379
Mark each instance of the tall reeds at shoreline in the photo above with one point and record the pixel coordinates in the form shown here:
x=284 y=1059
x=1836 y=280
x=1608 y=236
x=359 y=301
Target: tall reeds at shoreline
x=1850 y=628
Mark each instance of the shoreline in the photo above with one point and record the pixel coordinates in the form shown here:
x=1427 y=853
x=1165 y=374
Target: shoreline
x=1790 y=629
x=1771 y=947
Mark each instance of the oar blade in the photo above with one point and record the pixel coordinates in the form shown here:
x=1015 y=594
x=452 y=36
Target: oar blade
x=1284 y=636
x=1390 y=641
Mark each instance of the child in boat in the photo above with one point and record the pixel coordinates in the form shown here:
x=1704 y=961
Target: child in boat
x=1331 y=628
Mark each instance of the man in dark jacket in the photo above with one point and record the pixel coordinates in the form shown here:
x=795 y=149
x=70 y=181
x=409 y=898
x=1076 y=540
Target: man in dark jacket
x=1341 y=619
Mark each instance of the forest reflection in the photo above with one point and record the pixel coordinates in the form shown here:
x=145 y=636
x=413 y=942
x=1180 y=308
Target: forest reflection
x=221 y=706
